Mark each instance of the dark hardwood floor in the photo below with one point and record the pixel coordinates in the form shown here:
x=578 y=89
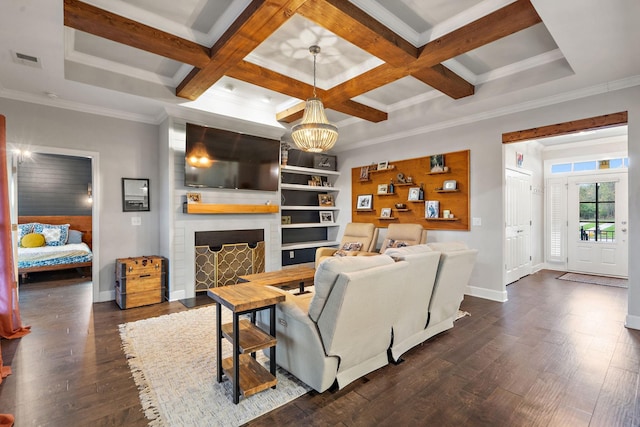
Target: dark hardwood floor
x=556 y=354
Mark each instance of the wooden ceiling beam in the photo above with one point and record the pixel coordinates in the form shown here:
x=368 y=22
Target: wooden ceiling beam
x=257 y=22
x=444 y=80
x=90 y=19
x=354 y=25
x=598 y=122
x=503 y=22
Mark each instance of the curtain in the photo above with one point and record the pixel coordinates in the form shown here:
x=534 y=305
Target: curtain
x=10 y=323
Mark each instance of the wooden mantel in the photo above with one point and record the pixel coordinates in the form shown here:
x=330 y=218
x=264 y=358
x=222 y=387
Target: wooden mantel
x=210 y=208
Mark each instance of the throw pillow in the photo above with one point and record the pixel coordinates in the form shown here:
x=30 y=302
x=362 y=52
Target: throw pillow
x=23 y=230
x=397 y=244
x=75 y=236
x=348 y=247
x=54 y=235
x=32 y=240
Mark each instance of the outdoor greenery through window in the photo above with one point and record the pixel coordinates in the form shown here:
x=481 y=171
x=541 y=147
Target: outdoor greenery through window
x=598 y=211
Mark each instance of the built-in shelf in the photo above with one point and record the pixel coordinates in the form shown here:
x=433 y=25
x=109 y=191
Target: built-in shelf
x=447 y=191
x=442 y=219
x=364 y=210
x=415 y=201
x=302 y=187
x=310 y=225
x=386 y=218
x=209 y=208
x=386 y=194
x=308 y=208
x=402 y=210
x=404 y=184
x=311 y=244
x=308 y=171
x=389 y=168
x=437 y=173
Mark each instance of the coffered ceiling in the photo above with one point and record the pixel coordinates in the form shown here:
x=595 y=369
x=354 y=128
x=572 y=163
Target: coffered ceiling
x=385 y=64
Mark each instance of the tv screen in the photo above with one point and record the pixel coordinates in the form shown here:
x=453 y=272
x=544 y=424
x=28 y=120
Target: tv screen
x=216 y=158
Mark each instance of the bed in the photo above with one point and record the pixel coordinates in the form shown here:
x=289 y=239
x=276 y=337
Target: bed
x=66 y=256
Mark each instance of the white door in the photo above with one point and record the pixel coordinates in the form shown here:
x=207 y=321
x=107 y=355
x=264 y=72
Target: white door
x=598 y=228
x=517 y=225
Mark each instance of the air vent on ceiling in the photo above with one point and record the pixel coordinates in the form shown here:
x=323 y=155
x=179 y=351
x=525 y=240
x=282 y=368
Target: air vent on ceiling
x=24 y=59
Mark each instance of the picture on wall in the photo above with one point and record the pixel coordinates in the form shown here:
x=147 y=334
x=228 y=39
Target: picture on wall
x=385 y=213
x=431 y=209
x=364 y=173
x=437 y=163
x=383 y=188
x=326 y=217
x=364 y=202
x=325 y=200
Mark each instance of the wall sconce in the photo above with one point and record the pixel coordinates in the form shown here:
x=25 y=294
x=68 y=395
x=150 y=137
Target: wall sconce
x=21 y=155
x=89 y=193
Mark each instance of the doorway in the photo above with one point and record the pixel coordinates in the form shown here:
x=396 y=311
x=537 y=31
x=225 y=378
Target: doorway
x=518 y=257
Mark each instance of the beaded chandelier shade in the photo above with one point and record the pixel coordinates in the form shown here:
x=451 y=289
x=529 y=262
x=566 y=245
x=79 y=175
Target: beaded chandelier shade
x=314 y=133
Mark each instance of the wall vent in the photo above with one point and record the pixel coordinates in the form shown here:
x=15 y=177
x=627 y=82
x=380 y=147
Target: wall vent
x=24 y=59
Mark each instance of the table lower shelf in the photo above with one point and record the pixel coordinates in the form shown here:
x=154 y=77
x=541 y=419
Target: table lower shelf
x=252 y=338
x=254 y=378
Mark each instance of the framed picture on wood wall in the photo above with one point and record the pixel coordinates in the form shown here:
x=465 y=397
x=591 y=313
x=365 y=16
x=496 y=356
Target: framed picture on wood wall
x=364 y=202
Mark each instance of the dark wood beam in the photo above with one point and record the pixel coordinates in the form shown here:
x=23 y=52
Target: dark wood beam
x=598 y=122
x=352 y=24
x=446 y=81
x=257 y=22
x=503 y=22
x=90 y=19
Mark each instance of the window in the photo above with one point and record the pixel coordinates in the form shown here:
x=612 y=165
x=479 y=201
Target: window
x=598 y=211
x=561 y=168
x=584 y=166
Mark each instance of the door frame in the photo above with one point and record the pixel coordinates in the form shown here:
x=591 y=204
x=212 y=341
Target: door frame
x=528 y=173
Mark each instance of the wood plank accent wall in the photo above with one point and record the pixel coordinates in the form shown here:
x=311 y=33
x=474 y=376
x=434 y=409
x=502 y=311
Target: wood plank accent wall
x=420 y=170
x=52 y=184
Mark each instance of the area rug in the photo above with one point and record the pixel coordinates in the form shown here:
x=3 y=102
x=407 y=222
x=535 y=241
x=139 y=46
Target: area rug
x=595 y=280
x=172 y=360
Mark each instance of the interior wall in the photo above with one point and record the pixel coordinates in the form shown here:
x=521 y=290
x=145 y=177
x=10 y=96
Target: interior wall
x=125 y=148
x=483 y=138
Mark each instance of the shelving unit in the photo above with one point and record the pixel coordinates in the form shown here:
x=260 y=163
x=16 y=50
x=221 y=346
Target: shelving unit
x=300 y=202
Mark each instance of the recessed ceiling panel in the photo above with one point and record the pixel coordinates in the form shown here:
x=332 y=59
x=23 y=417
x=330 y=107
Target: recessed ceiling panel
x=400 y=90
x=199 y=15
x=287 y=52
x=517 y=47
x=122 y=54
x=422 y=15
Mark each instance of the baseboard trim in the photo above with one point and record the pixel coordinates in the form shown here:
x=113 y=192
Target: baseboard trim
x=107 y=296
x=538 y=267
x=177 y=295
x=474 y=291
x=632 y=322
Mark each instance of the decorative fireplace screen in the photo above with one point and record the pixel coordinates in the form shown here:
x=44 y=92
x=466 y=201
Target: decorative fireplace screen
x=222 y=267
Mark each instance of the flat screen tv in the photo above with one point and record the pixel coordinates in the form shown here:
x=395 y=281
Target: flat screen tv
x=216 y=158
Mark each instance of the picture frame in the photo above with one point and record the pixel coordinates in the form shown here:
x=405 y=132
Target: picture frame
x=325 y=200
x=325 y=162
x=450 y=184
x=194 y=198
x=414 y=194
x=431 y=209
x=519 y=159
x=135 y=195
x=383 y=188
x=437 y=163
x=383 y=165
x=364 y=202
x=364 y=173
x=385 y=213
x=285 y=219
x=326 y=217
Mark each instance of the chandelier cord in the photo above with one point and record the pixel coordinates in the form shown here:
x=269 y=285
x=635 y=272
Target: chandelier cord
x=314 y=74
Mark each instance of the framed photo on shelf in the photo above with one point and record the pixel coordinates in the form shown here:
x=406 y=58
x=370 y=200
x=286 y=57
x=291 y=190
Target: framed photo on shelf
x=326 y=217
x=383 y=188
x=194 y=198
x=383 y=165
x=324 y=161
x=437 y=163
x=414 y=194
x=431 y=209
x=364 y=202
x=325 y=200
x=364 y=173
x=450 y=184
x=285 y=219
x=385 y=213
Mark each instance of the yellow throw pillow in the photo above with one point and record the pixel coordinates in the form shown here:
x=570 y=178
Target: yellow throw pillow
x=32 y=240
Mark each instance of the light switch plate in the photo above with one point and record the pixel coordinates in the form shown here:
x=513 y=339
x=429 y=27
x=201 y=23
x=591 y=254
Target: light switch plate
x=136 y=220
x=477 y=222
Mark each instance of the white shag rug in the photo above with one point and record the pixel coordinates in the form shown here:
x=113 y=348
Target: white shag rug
x=173 y=362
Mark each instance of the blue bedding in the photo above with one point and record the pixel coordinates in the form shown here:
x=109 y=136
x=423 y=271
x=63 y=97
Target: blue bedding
x=54 y=255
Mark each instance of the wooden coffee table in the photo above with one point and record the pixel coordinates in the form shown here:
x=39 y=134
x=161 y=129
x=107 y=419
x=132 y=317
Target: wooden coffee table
x=300 y=275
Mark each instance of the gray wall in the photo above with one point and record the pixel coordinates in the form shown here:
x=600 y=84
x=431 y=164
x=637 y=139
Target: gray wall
x=120 y=148
x=50 y=184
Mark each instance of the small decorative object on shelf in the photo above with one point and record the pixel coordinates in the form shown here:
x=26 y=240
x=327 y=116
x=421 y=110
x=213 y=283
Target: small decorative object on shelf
x=414 y=194
x=325 y=200
x=194 y=198
x=385 y=213
x=324 y=161
x=383 y=189
x=326 y=217
x=431 y=209
x=383 y=165
x=400 y=178
x=450 y=184
x=285 y=219
x=421 y=192
x=391 y=187
x=364 y=202
x=401 y=206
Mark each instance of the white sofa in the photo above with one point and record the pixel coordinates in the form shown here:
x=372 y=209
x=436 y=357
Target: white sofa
x=343 y=330
x=430 y=306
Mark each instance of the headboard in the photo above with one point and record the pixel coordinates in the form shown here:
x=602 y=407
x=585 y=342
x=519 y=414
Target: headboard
x=78 y=222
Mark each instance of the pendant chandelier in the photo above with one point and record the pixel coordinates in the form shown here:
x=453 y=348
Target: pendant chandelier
x=314 y=133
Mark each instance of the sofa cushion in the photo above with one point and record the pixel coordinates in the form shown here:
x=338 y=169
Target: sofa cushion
x=327 y=274
x=400 y=252
x=448 y=246
x=349 y=248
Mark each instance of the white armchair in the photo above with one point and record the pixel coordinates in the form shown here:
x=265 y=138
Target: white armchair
x=363 y=233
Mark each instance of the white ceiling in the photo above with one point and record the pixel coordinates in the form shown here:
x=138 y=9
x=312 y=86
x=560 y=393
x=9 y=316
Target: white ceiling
x=580 y=45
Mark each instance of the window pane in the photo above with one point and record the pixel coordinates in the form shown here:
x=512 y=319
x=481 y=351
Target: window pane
x=607 y=212
x=587 y=192
x=562 y=168
x=607 y=192
x=626 y=162
x=615 y=163
x=587 y=212
x=584 y=166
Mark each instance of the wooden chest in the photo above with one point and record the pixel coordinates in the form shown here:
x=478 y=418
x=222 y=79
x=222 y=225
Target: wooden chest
x=140 y=281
